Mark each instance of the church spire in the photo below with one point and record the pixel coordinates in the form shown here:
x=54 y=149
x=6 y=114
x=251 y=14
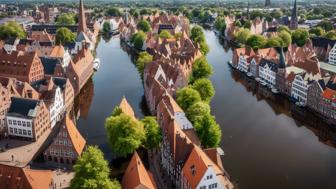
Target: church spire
x=248 y=10
x=294 y=19
x=81 y=20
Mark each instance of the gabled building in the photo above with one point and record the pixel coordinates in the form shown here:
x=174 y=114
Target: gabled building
x=7 y=91
x=67 y=91
x=126 y=108
x=67 y=145
x=10 y=44
x=27 y=118
x=200 y=172
x=52 y=67
x=268 y=70
x=21 y=65
x=136 y=176
x=80 y=69
x=12 y=177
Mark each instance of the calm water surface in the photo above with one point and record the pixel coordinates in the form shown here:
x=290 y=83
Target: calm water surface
x=265 y=147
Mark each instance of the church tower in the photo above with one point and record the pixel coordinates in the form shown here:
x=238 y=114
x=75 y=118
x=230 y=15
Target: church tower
x=294 y=20
x=267 y=3
x=81 y=19
x=281 y=74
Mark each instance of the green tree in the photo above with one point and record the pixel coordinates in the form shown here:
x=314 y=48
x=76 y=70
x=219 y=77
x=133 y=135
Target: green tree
x=66 y=19
x=300 y=37
x=286 y=38
x=144 y=25
x=197 y=110
x=186 y=97
x=11 y=29
x=326 y=25
x=247 y=24
x=143 y=59
x=197 y=34
x=125 y=134
x=92 y=171
x=64 y=35
x=318 y=31
x=178 y=35
x=165 y=34
x=238 y=23
x=276 y=14
x=283 y=28
x=117 y=111
x=274 y=42
x=138 y=39
x=113 y=11
x=201 y=69
x=242 y=35
x=331 y=35
x=256 y=41
x=152 y=132
x=204 y=47
x=106 y=27
x=220 y=24
x=255 y=14
x=204 y=88
x=208 y=131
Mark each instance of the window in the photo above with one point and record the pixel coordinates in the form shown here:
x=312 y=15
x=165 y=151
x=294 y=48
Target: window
x=28 y=124
x=11 y=130
x=19 y=123
x=15 y=130
x=20 y=131
x=14 y=122
x=10 y=122
x=24 y=132
x=203 y=187
x=209 y=177
x=193 y=170
x=29 y=133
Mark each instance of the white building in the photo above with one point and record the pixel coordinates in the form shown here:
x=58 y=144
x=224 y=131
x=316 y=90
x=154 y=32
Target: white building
x=55 y=106
x=332 y=56
x=300 y=86
x=268 y=70
x=243 y=64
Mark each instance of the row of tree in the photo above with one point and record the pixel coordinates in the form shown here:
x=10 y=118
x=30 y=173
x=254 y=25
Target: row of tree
x=126 y=134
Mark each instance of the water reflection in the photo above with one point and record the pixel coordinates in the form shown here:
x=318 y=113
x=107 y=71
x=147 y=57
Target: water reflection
x=83 y=100
x=280 y=105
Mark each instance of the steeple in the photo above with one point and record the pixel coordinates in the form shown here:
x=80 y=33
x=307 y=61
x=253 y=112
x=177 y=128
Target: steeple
x=294 y=19
x=248 y=10
x=268 y=3
x=282 y=60
x=81 y=19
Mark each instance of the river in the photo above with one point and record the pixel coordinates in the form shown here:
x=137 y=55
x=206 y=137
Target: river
x=268 y=143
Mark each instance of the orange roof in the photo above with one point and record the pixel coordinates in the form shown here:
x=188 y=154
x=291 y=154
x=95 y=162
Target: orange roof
x=126 y=108
x=196 y=166
x=76 y=138
x=136 y=175
x=34 y=178
x=14 y=177
x=57 y=52
x=329 y=94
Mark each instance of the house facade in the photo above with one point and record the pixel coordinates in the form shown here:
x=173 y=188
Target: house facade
x=27 y=119
x=66 y=146
x=332 y=55
x=268 y=70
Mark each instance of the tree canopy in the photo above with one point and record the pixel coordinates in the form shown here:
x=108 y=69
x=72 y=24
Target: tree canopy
x=197 y=110
x=66 y=19
x=331 y=35
x=326 y=25
x=106 y=27
x=318 y=31
x=220 y=24
x=165 y=34
x=201 y=69
x=208 y=131
x=143 y=59
x=138 y=39
x=300 y=37
x=125 y=134
x=204 y=88
x=286 y=38
x=113 y=11
x=256 y=41
x=186 y=97
x=64 y=35
x=11 y=29
x=92 y=171
x=198 y=37
x=242 y=35
x=144 y=25
x=152 y=132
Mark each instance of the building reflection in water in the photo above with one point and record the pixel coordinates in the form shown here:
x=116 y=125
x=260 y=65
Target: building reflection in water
x=281 y=105
x=83 y=100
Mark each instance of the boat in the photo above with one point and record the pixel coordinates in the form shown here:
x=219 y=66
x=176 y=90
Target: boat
x=300 y=104
x=96 y=64
x=257 y=79
x=263 y=83
x=269 y=86
x=230 y=63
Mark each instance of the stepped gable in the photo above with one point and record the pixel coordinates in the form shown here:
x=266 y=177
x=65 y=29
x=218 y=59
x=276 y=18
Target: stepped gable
x=126 y=108
x=14 y=177
x=136 y=175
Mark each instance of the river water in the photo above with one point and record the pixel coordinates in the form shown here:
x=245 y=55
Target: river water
x=268 y=143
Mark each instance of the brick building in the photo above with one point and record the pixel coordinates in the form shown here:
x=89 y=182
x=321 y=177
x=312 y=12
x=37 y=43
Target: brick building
x=67 y=145
x=21 y=65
